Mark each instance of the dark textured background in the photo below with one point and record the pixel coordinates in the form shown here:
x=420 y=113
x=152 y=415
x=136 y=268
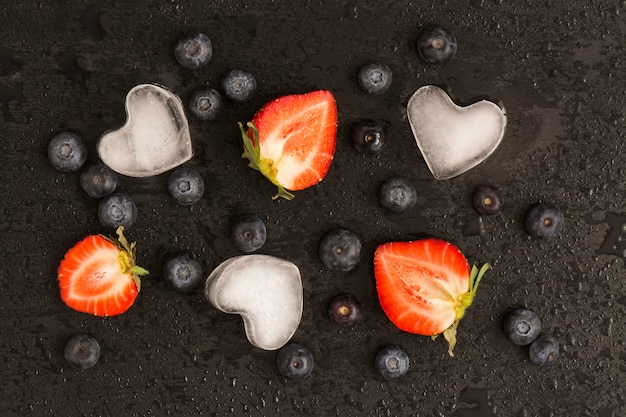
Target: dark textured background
x=558 y=68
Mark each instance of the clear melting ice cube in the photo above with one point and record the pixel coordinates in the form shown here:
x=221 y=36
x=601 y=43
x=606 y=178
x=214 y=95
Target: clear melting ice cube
x=155 y=137
x=265 y=290
x=453 y=139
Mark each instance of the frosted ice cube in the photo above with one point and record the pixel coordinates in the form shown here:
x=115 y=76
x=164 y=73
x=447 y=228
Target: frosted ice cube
x=155 y=137
x=265 y=290
x=453 y=139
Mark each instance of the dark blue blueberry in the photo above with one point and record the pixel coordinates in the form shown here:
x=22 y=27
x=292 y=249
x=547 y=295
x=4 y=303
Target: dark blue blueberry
x=98 y=180
x=544 y=221
x=345 y=309
x=248 y=233
x=522 y=326
x=392 y=363
x=182 y=271
x=436 y=45
x=193 y=51
x=239 y=85
x=205 y=103
x=295 y=361
x=397 y=195
x=374 y=78
x=368 y=137
x=544 y=350
x=340 y=250
x=67 y=152
x=487 y=200
x=116 y=210
x=185 y=185
x=82 y=351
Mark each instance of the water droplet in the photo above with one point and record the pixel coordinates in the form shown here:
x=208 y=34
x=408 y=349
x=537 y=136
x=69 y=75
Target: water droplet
x=90 y=19
x=7 y=62
x=10 y=94
x=473 y=227
x=66 y=60
x=614 y=244
x=351 y=10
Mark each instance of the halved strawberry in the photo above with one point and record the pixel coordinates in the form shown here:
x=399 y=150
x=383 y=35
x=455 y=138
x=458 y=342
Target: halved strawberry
x=98 y=275
x=425 y=286
x=291 y=140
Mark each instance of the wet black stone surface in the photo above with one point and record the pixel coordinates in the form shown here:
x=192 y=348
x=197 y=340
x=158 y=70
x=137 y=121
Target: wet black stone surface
x=557 y=67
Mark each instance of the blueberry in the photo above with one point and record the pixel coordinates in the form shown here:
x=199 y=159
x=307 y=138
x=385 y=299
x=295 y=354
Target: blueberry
x=239 y=85
x=397 y=195
x=487 y=200
x=205 y=103
x=82 y=351
x=368 y=137
x=340 y=250
x=374 y=78
x=186 y=186
x=248 y=233
x=98 y=180
x=345 y=309
x=544 y=221
x=182 y=271
x=295 y=361
x=522 y=326
x=116 y=210
x=67 y=152
x=544 y=350
x=193 y=51
x=392 y=363
x=436 y=45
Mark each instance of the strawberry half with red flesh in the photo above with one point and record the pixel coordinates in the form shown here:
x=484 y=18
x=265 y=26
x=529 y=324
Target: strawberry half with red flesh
x=98 y=275
x=425 y=286
x=291 y=140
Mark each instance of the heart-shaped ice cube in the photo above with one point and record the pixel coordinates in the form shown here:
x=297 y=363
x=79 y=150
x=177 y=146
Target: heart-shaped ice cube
x=155 y=137
x=265 y=290
x=453 y=139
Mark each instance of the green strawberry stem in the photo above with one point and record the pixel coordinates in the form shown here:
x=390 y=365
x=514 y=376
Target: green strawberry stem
x=465 y=300
x=252 y=152
x=126 y=257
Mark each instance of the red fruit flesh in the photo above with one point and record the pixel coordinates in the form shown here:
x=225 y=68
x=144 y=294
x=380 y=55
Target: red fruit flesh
x=418 y=284
x=293 y=140
x=425 y=286
x=98 y=276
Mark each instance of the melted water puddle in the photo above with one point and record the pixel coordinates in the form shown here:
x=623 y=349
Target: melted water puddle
x=615 y=240
x=473 y=403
